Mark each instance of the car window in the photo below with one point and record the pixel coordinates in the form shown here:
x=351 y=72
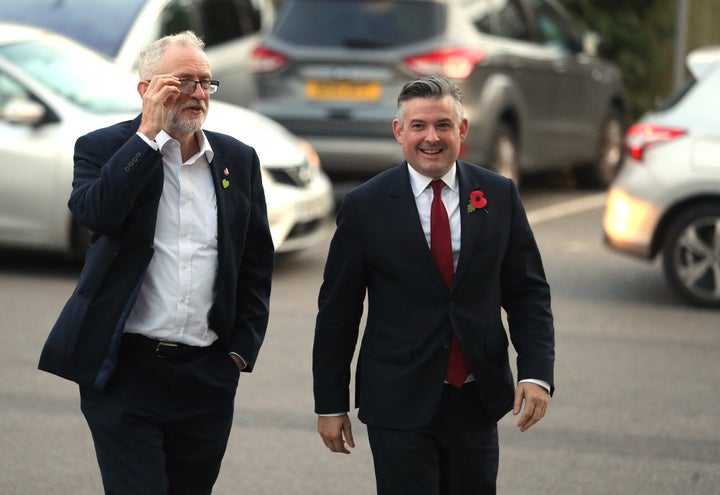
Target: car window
x=76 y=74
x=500 y=18
x=225 y=20
x=553 y=28
x=104 y=24
x=10 y=90
x=99 y=24
x=359 y=24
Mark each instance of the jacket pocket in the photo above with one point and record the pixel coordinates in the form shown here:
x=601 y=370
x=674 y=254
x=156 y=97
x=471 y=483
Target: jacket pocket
x=389 y=350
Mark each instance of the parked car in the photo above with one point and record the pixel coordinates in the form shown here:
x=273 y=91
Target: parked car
x=666 y=199
x=53 y=90
x=120 y=29
x=537 y=96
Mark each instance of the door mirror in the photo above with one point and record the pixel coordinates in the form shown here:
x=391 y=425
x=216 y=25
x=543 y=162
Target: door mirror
x=22 y=111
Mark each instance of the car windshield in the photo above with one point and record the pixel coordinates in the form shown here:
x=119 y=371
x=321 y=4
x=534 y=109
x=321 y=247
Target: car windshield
x=101 y=25
x=359 y=24
x=77 y=74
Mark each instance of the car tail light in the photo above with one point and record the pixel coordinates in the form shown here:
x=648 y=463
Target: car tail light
x=455 y=63
x=642 y=136
x=264 y=60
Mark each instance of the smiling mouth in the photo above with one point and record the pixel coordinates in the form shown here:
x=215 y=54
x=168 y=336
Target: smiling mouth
x=433 y=151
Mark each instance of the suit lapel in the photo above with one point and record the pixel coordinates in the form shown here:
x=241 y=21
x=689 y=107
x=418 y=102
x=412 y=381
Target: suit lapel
x=408 y=223
x=471 y=224
x=222 y=196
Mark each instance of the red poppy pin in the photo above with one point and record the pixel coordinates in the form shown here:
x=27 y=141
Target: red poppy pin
x=478 y=201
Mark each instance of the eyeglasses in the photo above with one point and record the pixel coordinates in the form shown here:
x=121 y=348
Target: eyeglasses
x=209 y=86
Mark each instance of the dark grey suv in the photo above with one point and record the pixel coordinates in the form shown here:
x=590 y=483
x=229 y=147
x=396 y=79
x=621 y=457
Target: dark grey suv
x=536 y=95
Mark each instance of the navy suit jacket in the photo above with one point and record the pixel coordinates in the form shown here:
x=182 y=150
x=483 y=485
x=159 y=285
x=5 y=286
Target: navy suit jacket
x=118 y=180
x=379 y=248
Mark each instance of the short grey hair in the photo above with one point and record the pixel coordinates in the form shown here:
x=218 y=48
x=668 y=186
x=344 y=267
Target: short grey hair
x=436 y=87
x=150 y=58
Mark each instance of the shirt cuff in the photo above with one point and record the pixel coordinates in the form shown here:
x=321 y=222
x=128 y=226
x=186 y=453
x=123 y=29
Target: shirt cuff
x=149 y=142
x=244 y=363
x=542 y=383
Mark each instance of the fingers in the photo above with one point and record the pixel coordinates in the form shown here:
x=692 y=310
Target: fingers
x=536 y=400
x=335 y=431
x=156 y=94
x=347 y=433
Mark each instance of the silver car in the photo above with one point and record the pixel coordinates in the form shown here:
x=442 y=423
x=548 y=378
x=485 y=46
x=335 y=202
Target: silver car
x=536 y=95
x=666 y=199
x=53 y=90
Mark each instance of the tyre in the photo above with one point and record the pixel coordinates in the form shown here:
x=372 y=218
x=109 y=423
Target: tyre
x=504 y=155
x=610 y=155
x=691 y=255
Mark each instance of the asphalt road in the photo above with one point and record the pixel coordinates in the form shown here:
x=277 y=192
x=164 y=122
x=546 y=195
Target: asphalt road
x=635 y=412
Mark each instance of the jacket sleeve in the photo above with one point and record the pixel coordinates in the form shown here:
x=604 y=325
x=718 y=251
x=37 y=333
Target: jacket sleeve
x=526 y=299
x=340 y=305
x=108 y=187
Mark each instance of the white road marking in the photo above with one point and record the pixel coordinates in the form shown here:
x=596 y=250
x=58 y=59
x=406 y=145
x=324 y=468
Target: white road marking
x=566 y=208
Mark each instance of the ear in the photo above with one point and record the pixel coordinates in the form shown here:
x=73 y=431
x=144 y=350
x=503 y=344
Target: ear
x=398 y=131
x=142 y=86
x=464 y=125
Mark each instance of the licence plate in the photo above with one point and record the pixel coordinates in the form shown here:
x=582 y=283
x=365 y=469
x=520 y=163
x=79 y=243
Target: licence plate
x=343 y=90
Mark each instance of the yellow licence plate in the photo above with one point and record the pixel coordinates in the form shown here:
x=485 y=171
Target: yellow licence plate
x=343 y=90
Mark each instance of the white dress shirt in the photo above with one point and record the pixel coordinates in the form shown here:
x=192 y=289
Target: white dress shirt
x=177 y=291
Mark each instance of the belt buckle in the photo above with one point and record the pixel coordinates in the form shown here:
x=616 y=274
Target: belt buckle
x=162 y=346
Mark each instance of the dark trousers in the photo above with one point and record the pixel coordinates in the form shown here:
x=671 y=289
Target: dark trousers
x=162 y=425
x=457 y=454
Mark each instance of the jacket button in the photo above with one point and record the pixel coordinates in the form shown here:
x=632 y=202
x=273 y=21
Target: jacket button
x=446 y=344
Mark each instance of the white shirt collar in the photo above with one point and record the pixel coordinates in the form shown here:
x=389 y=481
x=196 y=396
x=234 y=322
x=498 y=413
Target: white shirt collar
x=420 y=182
x=163 y=138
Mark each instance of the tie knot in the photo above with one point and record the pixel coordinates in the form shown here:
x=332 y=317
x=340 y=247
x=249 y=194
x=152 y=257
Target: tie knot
x=437 y=186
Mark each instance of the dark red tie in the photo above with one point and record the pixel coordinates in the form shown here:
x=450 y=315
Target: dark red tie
x=441 y=247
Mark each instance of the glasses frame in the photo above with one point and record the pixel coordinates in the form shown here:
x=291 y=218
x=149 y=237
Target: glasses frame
x=209 y=86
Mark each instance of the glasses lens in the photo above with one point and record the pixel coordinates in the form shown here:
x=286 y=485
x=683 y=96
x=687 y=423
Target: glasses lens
x=187 y=86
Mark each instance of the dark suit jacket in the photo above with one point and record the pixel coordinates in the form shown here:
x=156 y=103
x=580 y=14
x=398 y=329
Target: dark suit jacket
x=379 y=247
x=117 y=184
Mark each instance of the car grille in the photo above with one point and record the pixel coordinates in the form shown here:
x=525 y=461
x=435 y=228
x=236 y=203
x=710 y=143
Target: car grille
x=299 y=176
x=304 y=228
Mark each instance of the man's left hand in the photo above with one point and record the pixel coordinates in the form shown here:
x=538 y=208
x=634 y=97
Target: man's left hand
x=536 y=400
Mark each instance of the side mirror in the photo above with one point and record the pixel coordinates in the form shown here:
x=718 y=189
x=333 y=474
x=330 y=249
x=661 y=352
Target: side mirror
x=22 y=111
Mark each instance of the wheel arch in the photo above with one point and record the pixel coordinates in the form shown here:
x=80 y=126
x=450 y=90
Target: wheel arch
x=672 y=214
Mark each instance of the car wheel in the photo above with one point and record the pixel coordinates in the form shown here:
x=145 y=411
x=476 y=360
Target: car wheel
x=504 y=153
x=610 y=155
x=691 y=255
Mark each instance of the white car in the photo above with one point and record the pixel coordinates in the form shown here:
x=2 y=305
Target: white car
x=53 y=90
x=666 y=198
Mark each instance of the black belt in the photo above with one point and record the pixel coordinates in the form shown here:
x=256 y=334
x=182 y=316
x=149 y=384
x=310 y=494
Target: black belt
x=166 y=350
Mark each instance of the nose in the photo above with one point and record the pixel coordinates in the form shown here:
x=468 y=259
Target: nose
x=198 y=92
x=431 y=136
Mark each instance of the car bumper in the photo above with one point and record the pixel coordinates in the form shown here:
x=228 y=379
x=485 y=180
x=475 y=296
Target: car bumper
x=631 y=216
x=300 y=217
x=357 y=155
